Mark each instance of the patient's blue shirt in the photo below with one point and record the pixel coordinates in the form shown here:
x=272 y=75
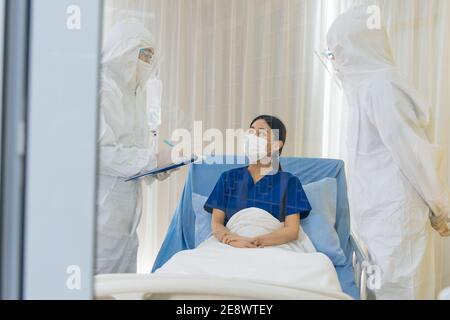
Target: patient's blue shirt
x=280 y=194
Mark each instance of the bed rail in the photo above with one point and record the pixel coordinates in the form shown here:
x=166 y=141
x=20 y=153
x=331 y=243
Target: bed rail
x=361 y=261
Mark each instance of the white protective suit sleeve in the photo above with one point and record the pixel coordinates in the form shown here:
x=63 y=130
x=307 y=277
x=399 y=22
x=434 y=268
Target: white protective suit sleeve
x=121 y=161
x=403 y=133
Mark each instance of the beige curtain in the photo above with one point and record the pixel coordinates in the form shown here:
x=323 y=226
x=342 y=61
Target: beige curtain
x=227 y=61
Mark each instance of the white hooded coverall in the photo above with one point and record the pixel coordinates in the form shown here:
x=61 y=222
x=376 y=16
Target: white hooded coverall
x=126 y=143
x=394 y=178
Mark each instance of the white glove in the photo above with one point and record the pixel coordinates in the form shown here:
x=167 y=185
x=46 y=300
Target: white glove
x=160 y=177
x=440 y=224
x=163 y=175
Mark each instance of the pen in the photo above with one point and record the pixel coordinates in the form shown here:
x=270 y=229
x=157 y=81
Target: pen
x=170 y=144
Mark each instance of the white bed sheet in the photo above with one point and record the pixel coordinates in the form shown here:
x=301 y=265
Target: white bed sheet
x=217 y=271
x=295 y=266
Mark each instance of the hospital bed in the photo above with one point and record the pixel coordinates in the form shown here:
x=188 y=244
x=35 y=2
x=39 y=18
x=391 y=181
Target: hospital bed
x=190 y=227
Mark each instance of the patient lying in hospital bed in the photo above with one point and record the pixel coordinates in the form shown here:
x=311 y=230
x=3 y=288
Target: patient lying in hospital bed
x=257 y=234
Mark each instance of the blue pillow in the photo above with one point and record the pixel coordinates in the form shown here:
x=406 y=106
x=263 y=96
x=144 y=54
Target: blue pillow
x=319 y=225
x=202 y=219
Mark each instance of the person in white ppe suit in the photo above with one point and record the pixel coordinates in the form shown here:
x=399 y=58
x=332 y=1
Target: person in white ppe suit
x=395 y=188
x=129 y=117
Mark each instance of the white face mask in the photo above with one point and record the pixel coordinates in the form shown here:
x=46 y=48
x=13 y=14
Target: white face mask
x=144 y=72
x=255 y=148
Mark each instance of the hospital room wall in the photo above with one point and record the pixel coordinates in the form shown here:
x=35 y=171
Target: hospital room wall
x=226 y=61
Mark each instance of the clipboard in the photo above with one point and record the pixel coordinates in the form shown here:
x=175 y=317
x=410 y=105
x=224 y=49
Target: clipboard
x=162 y=169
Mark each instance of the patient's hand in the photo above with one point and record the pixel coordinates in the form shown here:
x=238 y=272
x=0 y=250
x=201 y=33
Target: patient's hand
x=228 y=238
x=238 y=241
x=242 y=244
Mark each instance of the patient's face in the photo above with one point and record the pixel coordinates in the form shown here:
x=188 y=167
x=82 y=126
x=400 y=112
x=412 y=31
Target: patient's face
x=261 y=129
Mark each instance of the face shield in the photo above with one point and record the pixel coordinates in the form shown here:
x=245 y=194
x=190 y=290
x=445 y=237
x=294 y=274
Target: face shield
x=327 y=60
x=148 y=65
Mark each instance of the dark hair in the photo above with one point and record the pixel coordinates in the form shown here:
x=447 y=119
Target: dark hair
x=274 y=124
